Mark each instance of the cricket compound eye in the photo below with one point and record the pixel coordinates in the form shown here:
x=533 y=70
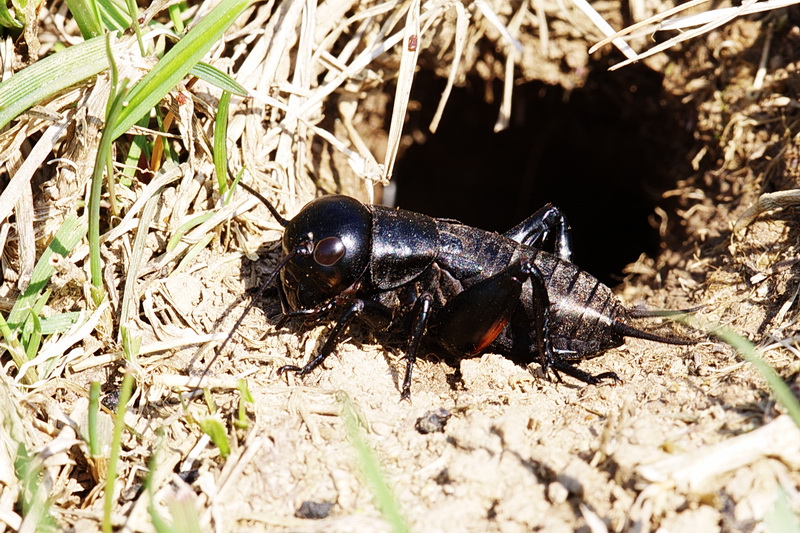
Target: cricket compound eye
x=328 y=251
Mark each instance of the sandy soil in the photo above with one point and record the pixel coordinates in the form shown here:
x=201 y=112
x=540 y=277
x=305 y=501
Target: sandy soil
x=691 y=440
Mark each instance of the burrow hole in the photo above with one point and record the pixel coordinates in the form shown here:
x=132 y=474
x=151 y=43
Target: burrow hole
x=604 y=153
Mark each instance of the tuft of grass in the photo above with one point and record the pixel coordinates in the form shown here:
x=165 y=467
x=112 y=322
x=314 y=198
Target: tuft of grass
x=177 y=63
x=66 y=238
x=17 y=351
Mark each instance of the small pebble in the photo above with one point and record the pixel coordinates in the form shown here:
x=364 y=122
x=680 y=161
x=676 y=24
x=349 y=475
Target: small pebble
x=557 y=493
x=314 y=510
x=433 y=421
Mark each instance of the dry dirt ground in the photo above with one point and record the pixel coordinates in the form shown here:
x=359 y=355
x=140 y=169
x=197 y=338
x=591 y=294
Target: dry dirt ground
x=690 y=441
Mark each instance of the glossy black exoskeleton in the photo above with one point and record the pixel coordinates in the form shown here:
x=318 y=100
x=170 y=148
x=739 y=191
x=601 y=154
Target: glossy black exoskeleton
x=469 y=290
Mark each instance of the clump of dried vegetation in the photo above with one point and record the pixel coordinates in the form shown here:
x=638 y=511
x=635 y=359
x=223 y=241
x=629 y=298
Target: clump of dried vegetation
x=127 y=251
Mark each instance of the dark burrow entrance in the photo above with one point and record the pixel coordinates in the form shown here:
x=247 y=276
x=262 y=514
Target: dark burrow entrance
x=604 y=153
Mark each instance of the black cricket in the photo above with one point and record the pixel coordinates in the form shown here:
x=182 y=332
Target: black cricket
x=469 y=290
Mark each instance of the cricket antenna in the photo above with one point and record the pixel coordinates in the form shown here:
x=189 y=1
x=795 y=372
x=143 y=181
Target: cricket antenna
x=247 y=309
x=299 y=251
x=282 y=221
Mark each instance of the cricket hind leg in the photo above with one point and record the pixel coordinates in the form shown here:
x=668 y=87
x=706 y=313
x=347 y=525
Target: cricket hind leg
x=548 y=223
x=526 y=341
x=481 y=316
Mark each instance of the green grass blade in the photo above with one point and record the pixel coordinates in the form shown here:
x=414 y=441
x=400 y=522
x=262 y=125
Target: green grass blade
x=133 y=15
x=34 y=500
x=59 y=323
x=8 y=335
x=381 y=492
x=217 y=78
x=7 y=20
x=215 y=429
x=32 y=324
x=235 y=182
x=104 y=149
x=245 y=399
x=94 y=409
x=67 y=237
x=139 y=146
x=178 y=62
x=160 y=525
x=185 y=518
x=779 y=388
x=35 y=339
x=131 y=344
x=781 y=518
x=51 y=75
x=192 y=253
x=220 y=142
x=116 y=447
x=15 y=349
x=114 y=15
x=83 y=11
x=185 y=227
x=175 y=11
